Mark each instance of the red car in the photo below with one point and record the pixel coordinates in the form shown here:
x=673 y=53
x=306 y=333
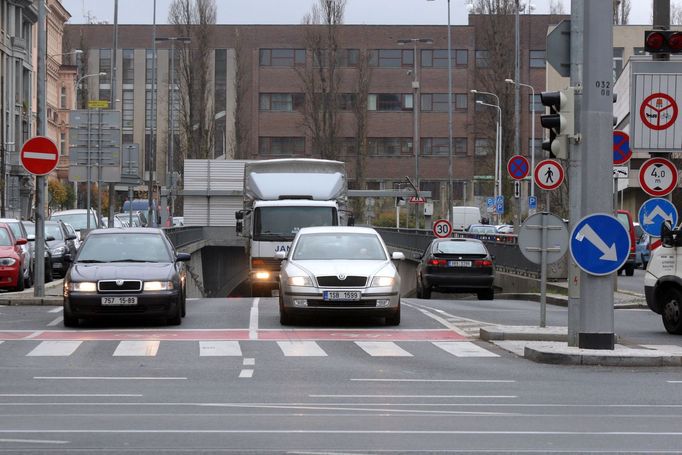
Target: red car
x=11 y=276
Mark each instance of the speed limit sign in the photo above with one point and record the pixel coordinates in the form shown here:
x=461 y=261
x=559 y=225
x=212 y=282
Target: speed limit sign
x=442 y=229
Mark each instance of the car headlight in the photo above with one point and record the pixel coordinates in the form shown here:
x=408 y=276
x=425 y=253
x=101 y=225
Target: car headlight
x=60 y=250
x=82 y=286
x=299 y=281
x=6 y=262
x=158 y=285
x=382 y=281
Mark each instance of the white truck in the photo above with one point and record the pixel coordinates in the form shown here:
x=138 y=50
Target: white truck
x=280 y=197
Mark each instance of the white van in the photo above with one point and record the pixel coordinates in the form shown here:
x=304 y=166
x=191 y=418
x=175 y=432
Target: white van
x=462 y=217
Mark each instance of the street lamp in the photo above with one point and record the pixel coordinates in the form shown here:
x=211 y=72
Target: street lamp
x=75 y=86
x=498 y=157
x=415 y=110
x=532 y=134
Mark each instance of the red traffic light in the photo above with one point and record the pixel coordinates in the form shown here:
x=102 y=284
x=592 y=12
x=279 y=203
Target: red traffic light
x=662 y=42
x=675 y=42
x=655 y=41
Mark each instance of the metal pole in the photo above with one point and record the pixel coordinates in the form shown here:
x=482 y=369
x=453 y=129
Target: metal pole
x=112 y=187
x=41 y=129
x=499 y=159
x=517 y=104
x=89 y=186
x=543 y=270
x=99 y=167
x=152 y=139
x=450 y=208
x=415 y=106
x=172 y=132
x=532 y=147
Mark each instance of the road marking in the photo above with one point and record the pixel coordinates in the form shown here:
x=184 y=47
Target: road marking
x=112 y=378
x=137 y=348
x=464 y=349
x=55 y=321
x=382 y=349
x=246 y=374
x=34 y=441
x=351 y=432
x=413 y=396
x=253 y=320
x=59 y=309
x=475 y=381
x=249 y=361
x=301 y=349
x=219 y=348
x=54 y=349
x=15 y=395
x=32 y=335
x=437 y=318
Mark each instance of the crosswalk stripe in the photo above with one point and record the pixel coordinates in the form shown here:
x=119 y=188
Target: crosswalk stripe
x=301 y=349
x=382 y=349
x=219 y=348
x=55 y=349
x=464 y=349
x=137 y=348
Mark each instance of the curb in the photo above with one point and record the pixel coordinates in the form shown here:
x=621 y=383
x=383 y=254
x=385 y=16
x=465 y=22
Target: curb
x=635 y=359
x=562 y=300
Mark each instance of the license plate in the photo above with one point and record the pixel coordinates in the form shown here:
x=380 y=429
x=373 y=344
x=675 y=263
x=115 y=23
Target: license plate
x=119 y=301
x=341 y=295
x=459 y=263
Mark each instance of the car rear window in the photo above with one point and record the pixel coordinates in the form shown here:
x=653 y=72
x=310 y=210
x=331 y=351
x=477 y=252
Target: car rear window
x=459 y=247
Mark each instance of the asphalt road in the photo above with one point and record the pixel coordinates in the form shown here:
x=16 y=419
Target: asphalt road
x=633 y=283
x=231 y=379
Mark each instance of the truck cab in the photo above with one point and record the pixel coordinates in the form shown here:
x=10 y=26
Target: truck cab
x=663 y=279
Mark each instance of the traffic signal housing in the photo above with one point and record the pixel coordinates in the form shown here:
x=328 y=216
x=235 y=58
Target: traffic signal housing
x=662 y=41
x=560 y=121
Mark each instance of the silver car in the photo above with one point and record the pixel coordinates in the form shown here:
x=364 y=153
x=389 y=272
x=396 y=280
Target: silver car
x=339 y=268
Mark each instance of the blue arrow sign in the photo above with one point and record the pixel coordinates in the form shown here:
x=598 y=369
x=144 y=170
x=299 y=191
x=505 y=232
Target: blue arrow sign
x=532 y=202
x=599 y=244
x=654 y=212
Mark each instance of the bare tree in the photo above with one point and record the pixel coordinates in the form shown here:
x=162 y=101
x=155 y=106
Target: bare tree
x=242 y=82
x=321 y=80
x=556 y=7
x=621 y=12
x=675 y=13
x=194 y=19
x=360 y=113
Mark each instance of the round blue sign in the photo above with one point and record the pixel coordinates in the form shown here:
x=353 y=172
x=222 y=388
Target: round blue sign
x=599 y=244
x=654 y=212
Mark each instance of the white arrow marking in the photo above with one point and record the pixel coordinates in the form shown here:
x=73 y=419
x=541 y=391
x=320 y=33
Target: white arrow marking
x=649 y=219
x=609 y=253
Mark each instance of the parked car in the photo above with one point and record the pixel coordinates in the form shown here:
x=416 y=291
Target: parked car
x=481 y=229
x=77 y=241
x=78 y=218
x=505 y=228
x=30 y=231
x=11 y=260
x=456 y=265
x=626 y=220
x=62 y=246
x=137 y=219
x=339 y=269
x=19 y=232
x=126 y=272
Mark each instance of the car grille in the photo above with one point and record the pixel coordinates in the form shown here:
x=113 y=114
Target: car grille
x=124 y=286
x=345 y=304
x=334 y=281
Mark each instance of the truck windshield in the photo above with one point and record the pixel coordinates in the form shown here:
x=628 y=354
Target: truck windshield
x=282 y=223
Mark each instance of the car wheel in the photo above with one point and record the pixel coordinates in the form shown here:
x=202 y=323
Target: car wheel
x=285 y=317
x=48 y=274
x=426 y=292
x=487 y=294
x=184 y=303
x=420 y=293
x=630 y=270
x=672 y=311
x=176 y=316
x=393 y=319
x=69 y=319
x=20 y=281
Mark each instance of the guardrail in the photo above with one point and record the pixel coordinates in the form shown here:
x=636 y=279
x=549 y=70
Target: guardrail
x=182 y=236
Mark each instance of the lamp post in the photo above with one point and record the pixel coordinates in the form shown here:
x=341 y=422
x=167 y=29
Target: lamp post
x=498 y=157
x=450 y=216
x=415 y=111
x=171 y=120
x=532 y=134
x=75 y=87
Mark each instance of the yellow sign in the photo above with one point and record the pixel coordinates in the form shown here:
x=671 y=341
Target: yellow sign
x=98 y=104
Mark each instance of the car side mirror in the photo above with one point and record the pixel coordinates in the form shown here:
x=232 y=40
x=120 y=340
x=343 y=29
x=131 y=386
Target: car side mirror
x=31 y=238
x=183 y=257
x=21 y=241
x=239 y=226
x=281 y=255
x=239 y=215
x=667 y=235
x=398 y=256
x=71 y=237
x=49 y=238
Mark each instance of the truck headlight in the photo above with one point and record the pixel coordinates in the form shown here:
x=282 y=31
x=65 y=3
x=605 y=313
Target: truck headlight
x=382 y=281
x=83 y=286
x=300 y=281
x=6 y=262
x=158 y=285
x=262 y=275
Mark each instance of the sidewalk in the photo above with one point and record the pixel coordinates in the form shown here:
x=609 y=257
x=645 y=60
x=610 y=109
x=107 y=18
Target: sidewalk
x=53 y=295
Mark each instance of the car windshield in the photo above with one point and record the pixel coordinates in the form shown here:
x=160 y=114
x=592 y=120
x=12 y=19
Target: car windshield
x=77 y=220
x=5 y=239
x=482 y=230
x=459 y=247
x=287 y=221
x=123 y=247
x=54 y=231
x=339 y=246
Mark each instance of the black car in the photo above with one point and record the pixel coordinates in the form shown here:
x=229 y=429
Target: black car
x=131 y=271
x=31 y=235
x=456 y=265
x=62 y=246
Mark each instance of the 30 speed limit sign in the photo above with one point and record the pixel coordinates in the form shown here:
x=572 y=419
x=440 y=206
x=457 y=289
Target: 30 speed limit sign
x=442 y=229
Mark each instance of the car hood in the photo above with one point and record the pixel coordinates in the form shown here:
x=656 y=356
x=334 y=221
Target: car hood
x=8 y=252
x=122 y=271
x=350 y=268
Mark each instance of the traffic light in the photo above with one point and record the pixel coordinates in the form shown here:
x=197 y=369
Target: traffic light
x=559 y=121
x=662 y=42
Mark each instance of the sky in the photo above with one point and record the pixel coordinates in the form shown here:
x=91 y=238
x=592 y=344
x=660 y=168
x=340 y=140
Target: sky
x=399 y=12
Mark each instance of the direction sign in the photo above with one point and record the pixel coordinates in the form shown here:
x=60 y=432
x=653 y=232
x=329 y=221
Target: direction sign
x=658 y=177
x=599 y=244
x=654 y=212
x=518 y=167
x=621 y=148
x=549 y=174
x=530 y=238
x=658 y=111
x=621 y=172
x=39 y=155
x=442 y=229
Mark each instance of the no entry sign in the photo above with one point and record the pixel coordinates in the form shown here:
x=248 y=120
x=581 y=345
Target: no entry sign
x=39 y=155
x=549 y=174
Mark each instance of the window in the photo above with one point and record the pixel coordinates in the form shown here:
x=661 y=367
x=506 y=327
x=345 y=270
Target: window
x=148 y=110
x=482 y=59
x=433 y=186
x=617 y=62
x=389 y=102
x=438 y=58
x=482 y=147
x=459 y=146
x=348 y=146
x=286 y=146
x=389 y=146
x=127 y=110
x=537 y=101
x=62 y=98
x=63 y=151
x=281 y=102
x=458 y=190
x=128 y=66
x=435 y=146
x=149 y=63
x=483 y=188
x=461 y=101
x=282 y=57
x=391 y=58
x=344 y=57
x=537 y=59
x=346 y=101
x=105 y=66
x=434 y=102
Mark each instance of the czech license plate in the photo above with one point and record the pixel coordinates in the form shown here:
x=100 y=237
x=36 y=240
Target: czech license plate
x=341 y=295
x=111 y=301
x=459 y=263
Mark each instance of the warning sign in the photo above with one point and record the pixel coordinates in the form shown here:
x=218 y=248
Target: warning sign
x=658 y=111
